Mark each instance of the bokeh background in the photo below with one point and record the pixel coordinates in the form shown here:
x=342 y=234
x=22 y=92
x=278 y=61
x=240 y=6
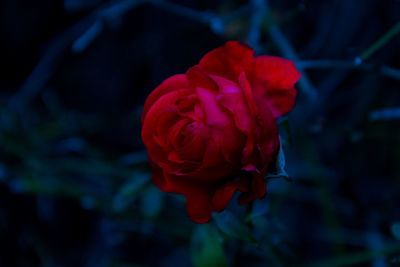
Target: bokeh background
x=75 y=186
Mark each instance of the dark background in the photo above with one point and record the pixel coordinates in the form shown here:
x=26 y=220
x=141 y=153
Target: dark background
x=75 y=187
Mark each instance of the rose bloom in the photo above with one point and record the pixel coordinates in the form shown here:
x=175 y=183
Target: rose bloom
x=213 y=130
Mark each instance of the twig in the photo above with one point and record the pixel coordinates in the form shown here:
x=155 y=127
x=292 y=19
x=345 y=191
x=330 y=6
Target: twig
x=60 y=44
x=345 y=64
x=88 y=37
x=385 y=114
x=283 y=44
x=288 y=51
x=380 y=42
x=206 y=17
x=238 y=13
x=86 y=30
x=259 y=9
x=47 y=65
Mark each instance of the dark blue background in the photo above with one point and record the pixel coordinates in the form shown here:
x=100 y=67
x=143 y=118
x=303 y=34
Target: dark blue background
x=75 y=186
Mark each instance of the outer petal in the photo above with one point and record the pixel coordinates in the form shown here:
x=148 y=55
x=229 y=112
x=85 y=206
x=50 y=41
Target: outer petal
x=267 y=136
x=221 y=172
x=203 y=198
x=157 y=176
x=196 y=77
x=257 y=190
x=248 y=93
x=159 y=111
x=252 y=187
x=173 y=83
x=165 y=121
x=224 y=194
x=198 y=194
x=272 y=80
x=228 y=60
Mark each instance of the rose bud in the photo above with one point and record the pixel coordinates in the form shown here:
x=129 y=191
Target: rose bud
x=213 y=130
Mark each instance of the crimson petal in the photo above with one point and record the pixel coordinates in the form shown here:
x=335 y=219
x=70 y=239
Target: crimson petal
x=173 y=83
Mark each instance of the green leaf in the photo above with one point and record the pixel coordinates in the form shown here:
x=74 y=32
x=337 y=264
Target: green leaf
x=130 y=190
x=229 y=224
x=285 y=132
x=279 y=171
x=206 y=247
x=260 y=208
x=151 y=202
x=396 y=230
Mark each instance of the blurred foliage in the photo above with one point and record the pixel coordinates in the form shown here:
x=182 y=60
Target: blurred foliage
x=75 y=186
x=206 y=247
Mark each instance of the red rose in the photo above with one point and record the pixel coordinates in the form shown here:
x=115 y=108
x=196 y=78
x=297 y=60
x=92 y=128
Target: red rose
x=213 y=130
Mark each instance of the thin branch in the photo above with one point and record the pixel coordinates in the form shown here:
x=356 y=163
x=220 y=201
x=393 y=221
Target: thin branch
x=259 y=10
x=380 y=42
x=238 y=13
x=345 y=64
x=201 y=16
x=385 y=114
x=61 y=43
x=287 y=50
x=88 y=37
x=83 y=33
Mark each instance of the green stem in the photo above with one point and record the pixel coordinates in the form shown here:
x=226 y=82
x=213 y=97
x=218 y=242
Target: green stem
x=381 y=41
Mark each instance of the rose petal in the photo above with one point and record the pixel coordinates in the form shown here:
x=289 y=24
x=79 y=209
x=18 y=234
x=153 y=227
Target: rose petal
x=232 y=98
x=224 y=194
x=232 y=144
x=156 y=112
x=198 y=206
x=248 y=93
x=198 y=194
x=174 y=134
x=196 y=77
x=212 y=156
x=272 y=80
x=270 y=77
x=173 y=83
x=228 y=60
x=257 y=190
x=193 y=147
x=157 y=176
x=214 y=115
x=165 y=121
x=267 y=139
